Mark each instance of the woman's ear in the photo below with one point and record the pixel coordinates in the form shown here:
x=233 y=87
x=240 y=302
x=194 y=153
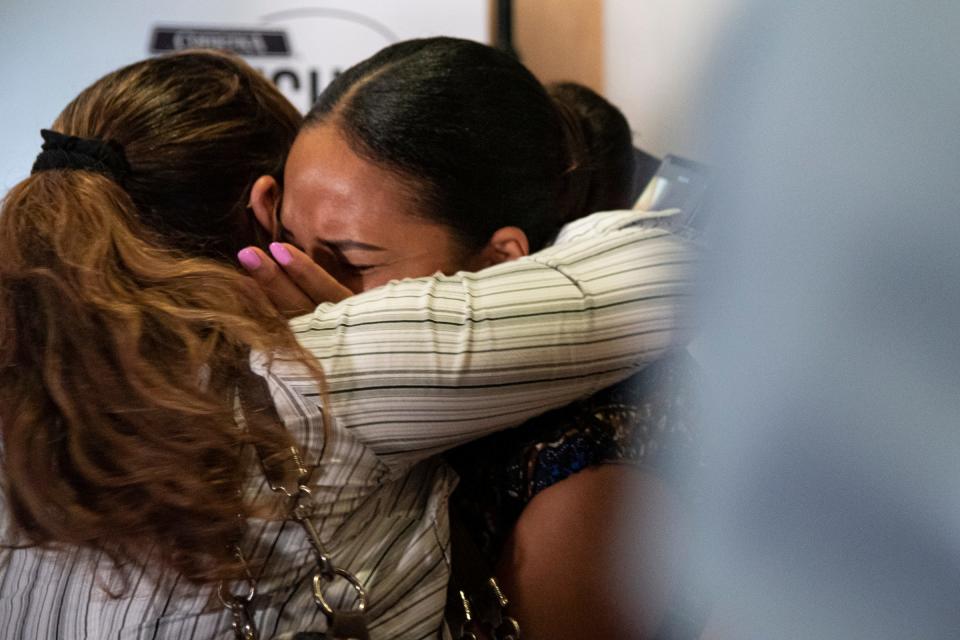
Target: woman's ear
x=506 y=244
x=264 y=200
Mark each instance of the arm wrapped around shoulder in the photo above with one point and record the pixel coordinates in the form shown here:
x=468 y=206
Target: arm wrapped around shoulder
x=430 y=363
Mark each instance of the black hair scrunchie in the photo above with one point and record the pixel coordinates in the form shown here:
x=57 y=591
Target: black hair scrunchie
x=86 y=154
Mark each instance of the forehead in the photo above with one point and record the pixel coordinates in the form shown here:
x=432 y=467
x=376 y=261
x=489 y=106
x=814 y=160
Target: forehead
x=331 y=190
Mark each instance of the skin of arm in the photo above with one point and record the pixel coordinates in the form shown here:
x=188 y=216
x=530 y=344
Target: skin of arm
x=574 y=568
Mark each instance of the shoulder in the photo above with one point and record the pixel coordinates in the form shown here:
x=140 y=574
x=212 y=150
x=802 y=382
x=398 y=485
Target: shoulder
x=607 y=222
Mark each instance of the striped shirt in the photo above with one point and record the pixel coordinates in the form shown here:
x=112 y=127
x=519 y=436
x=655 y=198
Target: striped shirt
x=413 y=368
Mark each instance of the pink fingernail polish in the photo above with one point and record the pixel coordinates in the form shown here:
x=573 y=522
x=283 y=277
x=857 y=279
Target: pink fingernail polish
x=280 y=253
x=249 y=259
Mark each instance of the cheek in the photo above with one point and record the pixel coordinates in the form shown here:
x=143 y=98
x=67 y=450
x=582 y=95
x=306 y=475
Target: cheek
x=356 y=283
x=421 y=268
x=371 y=281
x=396 y=271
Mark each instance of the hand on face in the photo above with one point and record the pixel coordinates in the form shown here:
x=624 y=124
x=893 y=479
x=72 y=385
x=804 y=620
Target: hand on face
x=361 y=222
x=293 y=282
x=350 y=225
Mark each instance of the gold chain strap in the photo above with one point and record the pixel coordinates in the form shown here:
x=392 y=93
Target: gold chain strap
x=301 y=508
x=503 y=627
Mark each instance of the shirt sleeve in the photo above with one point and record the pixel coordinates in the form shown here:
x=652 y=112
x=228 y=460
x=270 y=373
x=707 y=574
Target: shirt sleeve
x=422 y=365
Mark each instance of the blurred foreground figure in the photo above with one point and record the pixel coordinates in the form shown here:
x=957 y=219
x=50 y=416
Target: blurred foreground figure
x=831 y=480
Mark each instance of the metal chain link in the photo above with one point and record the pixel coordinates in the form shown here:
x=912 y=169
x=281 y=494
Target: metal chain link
x=239 y=606
x=301 y=509
x=504 y=628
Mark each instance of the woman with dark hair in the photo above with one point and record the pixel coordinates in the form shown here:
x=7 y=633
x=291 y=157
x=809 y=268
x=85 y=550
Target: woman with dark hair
x=444 y=155
x=609 y=158
x=168 y=464
x=467 y=144
x=618 y=170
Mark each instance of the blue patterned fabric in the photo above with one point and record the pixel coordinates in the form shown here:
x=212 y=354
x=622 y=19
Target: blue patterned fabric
x=648 y=420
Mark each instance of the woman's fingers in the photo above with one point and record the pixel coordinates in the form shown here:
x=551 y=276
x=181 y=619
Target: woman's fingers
x=285 y=295
x=307 y=275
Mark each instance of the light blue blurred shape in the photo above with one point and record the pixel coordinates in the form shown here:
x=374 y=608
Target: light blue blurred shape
x=832 y=323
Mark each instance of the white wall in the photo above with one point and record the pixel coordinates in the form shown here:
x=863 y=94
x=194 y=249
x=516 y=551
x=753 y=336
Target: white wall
x=655 y=54
x=51 y=49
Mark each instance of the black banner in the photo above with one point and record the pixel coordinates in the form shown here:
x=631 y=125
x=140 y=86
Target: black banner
x=245 y=42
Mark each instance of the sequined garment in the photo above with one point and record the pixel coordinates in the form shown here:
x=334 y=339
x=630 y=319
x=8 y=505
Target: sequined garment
x=647 y=420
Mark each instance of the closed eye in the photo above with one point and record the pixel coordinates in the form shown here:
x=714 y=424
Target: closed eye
x=323 y=251
x=358 y=267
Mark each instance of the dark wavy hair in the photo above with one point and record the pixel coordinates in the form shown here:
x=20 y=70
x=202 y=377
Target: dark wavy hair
x=609 y=159
x=123 y=331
